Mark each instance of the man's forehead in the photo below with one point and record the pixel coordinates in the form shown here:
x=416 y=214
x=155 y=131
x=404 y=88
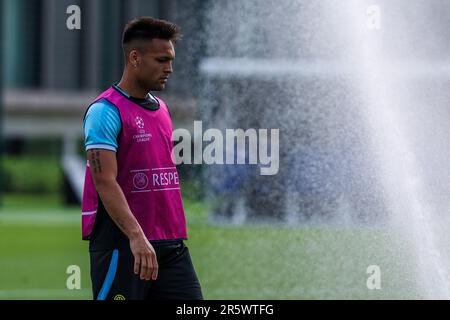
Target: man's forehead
x=161 y=47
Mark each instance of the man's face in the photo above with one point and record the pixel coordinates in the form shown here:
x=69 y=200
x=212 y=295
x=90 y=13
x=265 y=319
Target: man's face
x=155 y=64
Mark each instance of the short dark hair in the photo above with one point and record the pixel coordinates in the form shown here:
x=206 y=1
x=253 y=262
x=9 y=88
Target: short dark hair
x=148 y=28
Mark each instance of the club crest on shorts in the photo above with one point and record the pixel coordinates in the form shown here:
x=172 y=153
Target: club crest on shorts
x=119 y=297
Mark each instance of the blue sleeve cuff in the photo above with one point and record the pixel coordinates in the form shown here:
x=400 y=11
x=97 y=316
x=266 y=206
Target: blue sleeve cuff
x=101 y=146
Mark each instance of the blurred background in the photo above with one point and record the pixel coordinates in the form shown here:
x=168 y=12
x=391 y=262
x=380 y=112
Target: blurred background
x=358 y=91
x=51 y=74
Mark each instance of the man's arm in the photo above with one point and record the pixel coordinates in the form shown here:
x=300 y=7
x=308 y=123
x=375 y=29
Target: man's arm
x=103 y=167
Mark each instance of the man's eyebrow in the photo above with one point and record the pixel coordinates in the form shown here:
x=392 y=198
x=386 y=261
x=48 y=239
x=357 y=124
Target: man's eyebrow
x=166 y=57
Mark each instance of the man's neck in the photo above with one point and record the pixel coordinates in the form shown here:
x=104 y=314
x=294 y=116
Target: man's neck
x=130 y=86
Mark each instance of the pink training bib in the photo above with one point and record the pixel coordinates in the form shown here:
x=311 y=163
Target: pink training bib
x=146 y=172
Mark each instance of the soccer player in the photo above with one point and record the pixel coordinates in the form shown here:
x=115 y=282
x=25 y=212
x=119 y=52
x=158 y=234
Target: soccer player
x=132 y=208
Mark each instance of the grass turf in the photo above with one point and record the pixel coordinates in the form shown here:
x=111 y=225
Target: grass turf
x=37 y=244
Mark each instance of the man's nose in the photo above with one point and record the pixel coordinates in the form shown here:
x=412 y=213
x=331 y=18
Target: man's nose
x=169 y=68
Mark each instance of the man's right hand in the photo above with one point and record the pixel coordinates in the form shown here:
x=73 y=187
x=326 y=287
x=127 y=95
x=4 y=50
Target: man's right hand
x=145 y=261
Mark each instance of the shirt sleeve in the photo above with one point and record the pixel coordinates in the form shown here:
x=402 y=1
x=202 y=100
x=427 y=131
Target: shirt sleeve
x=102 y=126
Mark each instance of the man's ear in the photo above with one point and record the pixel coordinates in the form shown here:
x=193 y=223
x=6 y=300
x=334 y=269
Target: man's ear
x=134 y=58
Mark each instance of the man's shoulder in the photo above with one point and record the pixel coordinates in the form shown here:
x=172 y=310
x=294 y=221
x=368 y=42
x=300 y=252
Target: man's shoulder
x=102 y=106
x=102 y=112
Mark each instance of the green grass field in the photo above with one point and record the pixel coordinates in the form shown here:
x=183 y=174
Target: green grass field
x=39 y=239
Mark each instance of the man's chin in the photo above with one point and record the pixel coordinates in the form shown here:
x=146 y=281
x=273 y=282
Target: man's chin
x=160 y=87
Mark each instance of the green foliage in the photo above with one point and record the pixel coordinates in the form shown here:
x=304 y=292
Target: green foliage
x=31 y=174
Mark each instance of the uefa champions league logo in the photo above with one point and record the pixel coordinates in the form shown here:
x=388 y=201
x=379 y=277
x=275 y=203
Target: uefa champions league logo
x=140 y=123
x=141 y=135
x=140 y=181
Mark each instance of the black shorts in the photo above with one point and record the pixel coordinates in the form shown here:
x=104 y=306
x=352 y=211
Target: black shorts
x=113 y=277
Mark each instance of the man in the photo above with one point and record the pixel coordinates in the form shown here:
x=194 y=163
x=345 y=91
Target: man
x=132 y=208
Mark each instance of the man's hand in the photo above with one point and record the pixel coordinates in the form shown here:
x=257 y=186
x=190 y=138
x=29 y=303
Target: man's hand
x=144 y=258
